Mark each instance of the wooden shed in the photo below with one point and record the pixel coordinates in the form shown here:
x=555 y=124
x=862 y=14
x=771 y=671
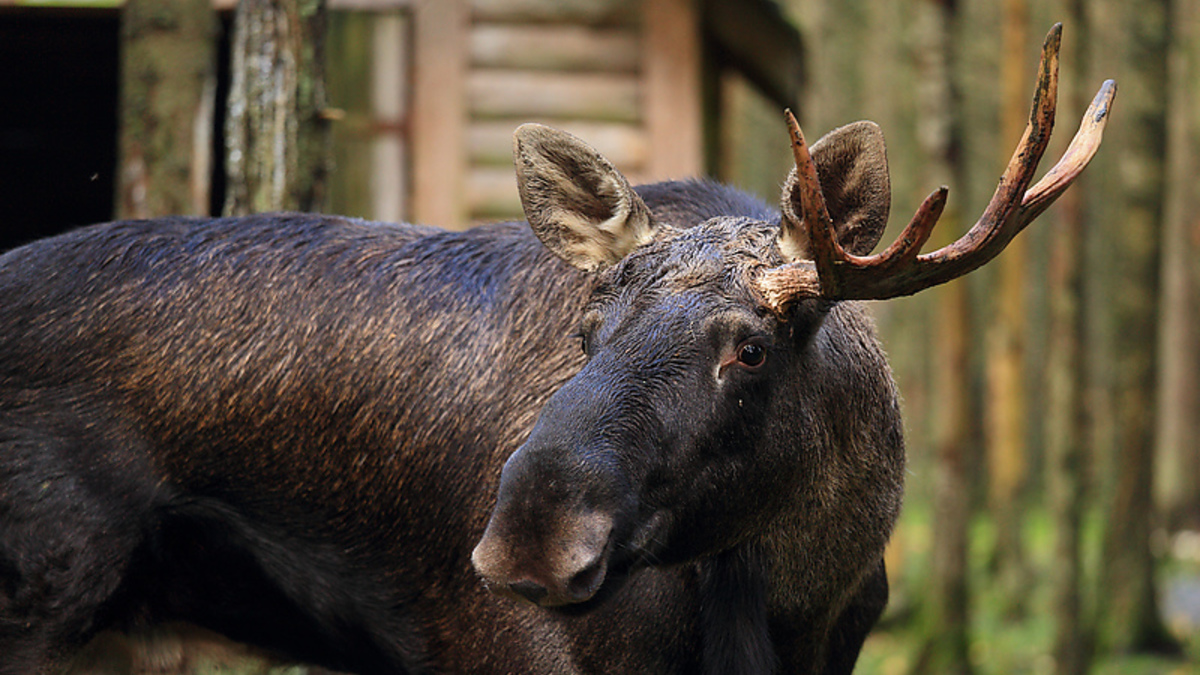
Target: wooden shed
x=664 y=88
x=432 y=90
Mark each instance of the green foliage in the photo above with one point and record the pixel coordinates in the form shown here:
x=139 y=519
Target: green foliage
x=1004 y=641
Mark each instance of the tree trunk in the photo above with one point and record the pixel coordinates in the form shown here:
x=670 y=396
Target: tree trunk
x=1178 y=475
x=946 y=617
x=1129 y=605
x=1067 y=424
x=277 y=128
x=1066 y=429
x=1006 y=415
x=168 y=83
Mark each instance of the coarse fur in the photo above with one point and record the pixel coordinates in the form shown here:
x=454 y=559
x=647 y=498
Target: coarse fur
x=291 y=429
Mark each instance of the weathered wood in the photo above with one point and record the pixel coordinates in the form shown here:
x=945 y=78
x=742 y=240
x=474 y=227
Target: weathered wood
x=276 y=131
x=583 y=11
x=624 y=144
x=558 y=47
x=439 y=112
x=389 y=103
x=671 y=103
x=168 y=86
x=363 y=5
x=523 y=94
x=492 y=194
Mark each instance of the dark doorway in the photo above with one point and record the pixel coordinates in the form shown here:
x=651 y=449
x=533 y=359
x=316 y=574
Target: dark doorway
x=58 y=120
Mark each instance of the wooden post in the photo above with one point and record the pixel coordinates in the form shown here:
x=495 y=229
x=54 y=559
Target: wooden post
x=439 y=113
x=671 y=88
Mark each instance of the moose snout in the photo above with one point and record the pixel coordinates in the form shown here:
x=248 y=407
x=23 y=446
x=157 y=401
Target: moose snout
x=566 y=566
x=564 y=501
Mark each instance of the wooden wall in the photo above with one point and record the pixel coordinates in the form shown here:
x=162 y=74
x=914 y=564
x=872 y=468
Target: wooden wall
x=621 y=74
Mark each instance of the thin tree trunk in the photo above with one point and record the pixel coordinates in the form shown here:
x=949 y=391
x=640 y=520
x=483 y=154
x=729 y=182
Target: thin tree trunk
x=1006 y=426
x=1178 y=475
x=1129 y=605
x=277 y=128
x=168 y=57
x=945 y=624
x=1066 y=428
x=1067 y=424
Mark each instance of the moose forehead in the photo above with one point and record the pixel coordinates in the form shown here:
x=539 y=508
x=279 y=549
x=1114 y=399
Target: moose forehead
x=715 y=256
x=682 y=291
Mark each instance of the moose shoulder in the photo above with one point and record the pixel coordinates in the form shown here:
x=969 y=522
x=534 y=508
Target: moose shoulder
x=319 y=435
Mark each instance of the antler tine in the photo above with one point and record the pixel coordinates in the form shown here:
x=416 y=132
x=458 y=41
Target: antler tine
x=835 y=275
x=1076 y=157
x=812 y=228
x=997 y=226
x=908 y=245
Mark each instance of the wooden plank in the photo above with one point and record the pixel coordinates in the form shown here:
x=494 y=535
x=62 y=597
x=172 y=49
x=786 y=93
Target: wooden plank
x=389 y=103
x=492 y=194
x=672 y=103
x=625 y=145
x=595 y=12
x=523 y=94
x=561 y=47
x=438 y=112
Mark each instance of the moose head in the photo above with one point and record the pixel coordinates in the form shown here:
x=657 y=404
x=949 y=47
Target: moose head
x=727 y=397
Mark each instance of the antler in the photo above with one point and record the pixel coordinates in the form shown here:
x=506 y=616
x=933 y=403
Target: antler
x=901 y=270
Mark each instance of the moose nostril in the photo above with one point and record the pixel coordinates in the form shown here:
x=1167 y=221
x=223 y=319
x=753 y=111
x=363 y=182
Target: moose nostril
x=529 y=590
x=584 y=584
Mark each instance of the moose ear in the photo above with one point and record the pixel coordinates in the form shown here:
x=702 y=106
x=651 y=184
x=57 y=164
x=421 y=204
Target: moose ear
x=852 y=167
x=576 y=201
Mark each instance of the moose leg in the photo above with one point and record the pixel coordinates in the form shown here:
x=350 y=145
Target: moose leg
x=65 y=544
x=855 y=622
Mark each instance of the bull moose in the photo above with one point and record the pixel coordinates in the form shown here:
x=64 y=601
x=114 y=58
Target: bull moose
x=652 y=422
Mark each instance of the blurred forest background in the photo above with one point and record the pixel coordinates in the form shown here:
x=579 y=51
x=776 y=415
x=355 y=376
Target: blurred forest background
x=1052 y=520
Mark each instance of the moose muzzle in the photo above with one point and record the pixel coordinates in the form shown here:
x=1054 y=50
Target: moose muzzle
x=557 y=516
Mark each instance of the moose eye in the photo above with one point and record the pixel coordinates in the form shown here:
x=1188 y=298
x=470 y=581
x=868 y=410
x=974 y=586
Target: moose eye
x=751 y=355
x=581 y=338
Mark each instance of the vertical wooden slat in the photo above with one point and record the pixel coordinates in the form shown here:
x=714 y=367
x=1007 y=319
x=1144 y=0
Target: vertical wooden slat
x=671 y=88
x=439 y=117
x=388 y=100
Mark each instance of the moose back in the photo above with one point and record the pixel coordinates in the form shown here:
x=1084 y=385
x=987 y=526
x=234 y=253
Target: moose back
x=641 y=433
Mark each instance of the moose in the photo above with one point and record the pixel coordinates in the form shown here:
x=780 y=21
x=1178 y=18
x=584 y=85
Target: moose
x=650 y=431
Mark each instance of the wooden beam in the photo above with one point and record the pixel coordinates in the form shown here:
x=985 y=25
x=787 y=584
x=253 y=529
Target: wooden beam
x=522 y=94
x=671 y=104
x=439 y=112
x=559 y=47
x=389 y=101
x=593 y=12
x=624 y=144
